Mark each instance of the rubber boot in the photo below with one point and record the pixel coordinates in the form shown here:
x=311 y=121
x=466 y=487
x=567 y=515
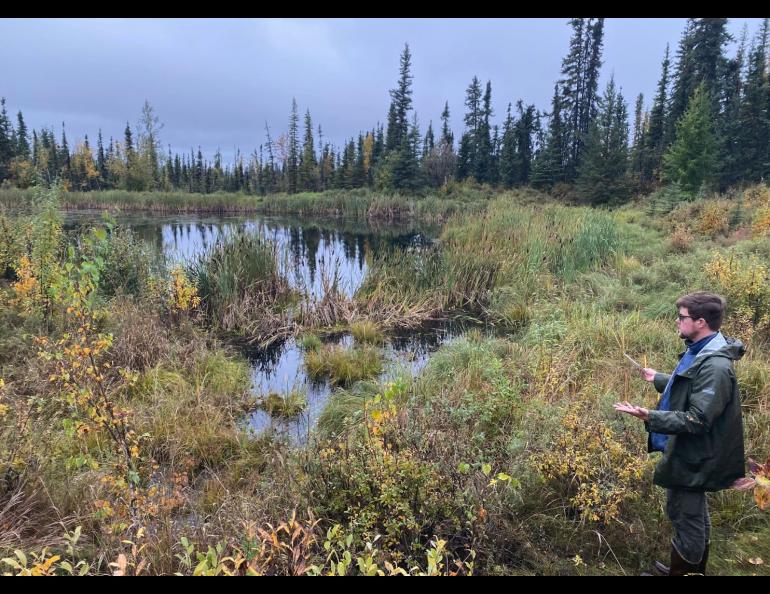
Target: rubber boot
x=661 y=569
x=702 y=564
x=680 y=566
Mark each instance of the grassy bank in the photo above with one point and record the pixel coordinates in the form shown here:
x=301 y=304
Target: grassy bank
x=359 y=204
x=162 y=202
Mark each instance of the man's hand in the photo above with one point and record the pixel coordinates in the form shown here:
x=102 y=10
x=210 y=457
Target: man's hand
x=635 y=411
x=647 y=374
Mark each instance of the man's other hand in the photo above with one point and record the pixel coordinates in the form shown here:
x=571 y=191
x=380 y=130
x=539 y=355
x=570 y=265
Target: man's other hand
x=636 y=411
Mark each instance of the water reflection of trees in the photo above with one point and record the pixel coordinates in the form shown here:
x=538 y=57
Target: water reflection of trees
x=264 y=360
x=306 y=242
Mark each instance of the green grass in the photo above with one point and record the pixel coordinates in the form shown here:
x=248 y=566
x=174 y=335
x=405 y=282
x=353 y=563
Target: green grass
x=284 y=405
x=189 y=409
x=219 y=202
x=345 y=408
x=310 y=342
x=359 y=203
x=366 y=332
x=343 y=366
x=240 y=285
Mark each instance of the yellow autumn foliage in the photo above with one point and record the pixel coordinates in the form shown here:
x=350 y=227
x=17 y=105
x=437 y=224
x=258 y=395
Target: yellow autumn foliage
x=590 y=467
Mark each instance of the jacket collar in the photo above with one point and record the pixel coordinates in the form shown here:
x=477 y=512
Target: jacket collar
x=714 y=345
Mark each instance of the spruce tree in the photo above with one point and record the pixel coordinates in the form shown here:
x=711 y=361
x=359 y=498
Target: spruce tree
x=578 y=87
x=446 y=132
x=429 y=142
x=731 y=164
x=691 y=161
x=132 y=180
x=754 y=117
x=22 y=139
x=404 y=173
x=483 y=166
x=638 y=143
x=101 y=159
x=467 y=160
x=271 y=181
x=701 y=60
x=655 y=139
x=308 y=167
x=7 y=150
x=53 y=156
x=64 y=155
x=368 y=158
x=359 y=171
x=509 y=175
x=292 y=167
x=549 y=167
x=525 y=129
x=401 y=103
x=603 y=173
x=200 y=173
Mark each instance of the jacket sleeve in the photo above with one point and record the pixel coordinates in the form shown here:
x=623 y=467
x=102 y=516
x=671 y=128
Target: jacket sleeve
x=711 y=391
x=660 y=381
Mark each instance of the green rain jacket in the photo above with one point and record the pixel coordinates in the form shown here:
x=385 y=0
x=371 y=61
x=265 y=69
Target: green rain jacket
x=705 y=450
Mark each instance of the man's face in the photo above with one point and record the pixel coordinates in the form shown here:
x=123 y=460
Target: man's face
x=688 y=328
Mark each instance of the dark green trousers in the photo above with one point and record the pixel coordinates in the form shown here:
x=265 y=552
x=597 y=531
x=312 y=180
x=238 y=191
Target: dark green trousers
x=689 y=513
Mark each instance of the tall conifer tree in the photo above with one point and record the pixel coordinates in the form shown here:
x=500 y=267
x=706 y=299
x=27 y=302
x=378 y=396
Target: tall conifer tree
x=692 y=160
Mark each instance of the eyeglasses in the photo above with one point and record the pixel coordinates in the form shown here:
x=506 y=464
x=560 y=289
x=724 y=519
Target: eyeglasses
x=681 y=318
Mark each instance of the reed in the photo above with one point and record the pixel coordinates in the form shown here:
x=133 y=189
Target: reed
x=241 y=287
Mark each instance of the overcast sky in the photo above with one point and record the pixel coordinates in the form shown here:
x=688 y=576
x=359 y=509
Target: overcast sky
x=214 y=82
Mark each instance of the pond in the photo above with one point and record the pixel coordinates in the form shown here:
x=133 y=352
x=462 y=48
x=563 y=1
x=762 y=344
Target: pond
x=309 y=249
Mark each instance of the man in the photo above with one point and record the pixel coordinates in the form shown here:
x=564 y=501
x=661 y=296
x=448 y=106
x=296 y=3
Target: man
x=698 y=427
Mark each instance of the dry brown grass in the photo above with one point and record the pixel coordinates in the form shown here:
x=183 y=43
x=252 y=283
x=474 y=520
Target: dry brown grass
x=141 y=336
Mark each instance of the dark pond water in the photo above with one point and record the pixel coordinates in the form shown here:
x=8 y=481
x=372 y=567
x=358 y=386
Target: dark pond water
x=309 y=248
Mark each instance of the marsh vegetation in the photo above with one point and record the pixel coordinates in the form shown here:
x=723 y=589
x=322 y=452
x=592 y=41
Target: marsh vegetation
x=128 y=389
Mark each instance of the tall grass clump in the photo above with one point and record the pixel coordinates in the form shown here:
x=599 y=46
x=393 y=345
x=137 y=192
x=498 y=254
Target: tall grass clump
x=241 y=287
x=343 y=366
x=409 y=288
x=495 y=264
x=286 y=405
x=345 y=408
x=376 y=205
x=189 y=407
x=366 y=332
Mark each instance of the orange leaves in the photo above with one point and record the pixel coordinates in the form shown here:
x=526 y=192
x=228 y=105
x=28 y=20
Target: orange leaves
x=761 y=474
x=760 y=482
x=26 y=288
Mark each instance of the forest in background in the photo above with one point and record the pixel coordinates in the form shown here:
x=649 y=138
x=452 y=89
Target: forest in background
x=707 y=128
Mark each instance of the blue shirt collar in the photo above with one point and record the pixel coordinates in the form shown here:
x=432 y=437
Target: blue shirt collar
x=693 y=348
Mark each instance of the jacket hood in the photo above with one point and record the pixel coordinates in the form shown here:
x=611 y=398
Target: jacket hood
x=721 y=346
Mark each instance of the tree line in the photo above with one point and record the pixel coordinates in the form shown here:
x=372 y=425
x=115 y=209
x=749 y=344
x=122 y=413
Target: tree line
x=708 y=127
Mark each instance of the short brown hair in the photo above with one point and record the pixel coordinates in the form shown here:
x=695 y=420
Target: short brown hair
x=709 y=306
